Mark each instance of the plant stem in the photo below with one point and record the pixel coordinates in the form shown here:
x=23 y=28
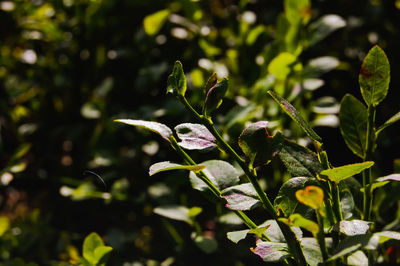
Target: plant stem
x=367 y=177
x=216 y=192
x=321 y=237
x=251 y=174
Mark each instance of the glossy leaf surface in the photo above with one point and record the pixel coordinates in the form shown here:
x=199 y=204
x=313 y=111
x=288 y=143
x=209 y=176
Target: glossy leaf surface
x=195 y=137
x=161 y=129
x=176 y=83
x=241 y=197
x=167 y=166
x=271 y=251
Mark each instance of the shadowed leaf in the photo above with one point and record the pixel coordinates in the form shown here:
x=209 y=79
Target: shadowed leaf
x=176 y=83
x=214 y=97
x=236 y=236
x=275 y=234
x=389 y=122
x=324 y=26
x=374 y=76
x=353 y=124
x=212 y=80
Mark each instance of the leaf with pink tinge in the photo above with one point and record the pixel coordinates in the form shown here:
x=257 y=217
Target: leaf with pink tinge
x=392 y=177
x=353 y=227
x=241 y=197
x=161 y=129
x=271 y=251
x=195 y=137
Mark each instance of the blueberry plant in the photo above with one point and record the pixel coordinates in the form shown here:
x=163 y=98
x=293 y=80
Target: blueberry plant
x=314 y=218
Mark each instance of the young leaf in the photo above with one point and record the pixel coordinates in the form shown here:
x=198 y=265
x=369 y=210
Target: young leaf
x=195 y=137
x=214 y=96
x=286 y=200
x=312 y=196
x=297 y=220
x=353 y=119
x=212 y=80
x=324 y=26
x=167 y=166
x=294 y=114
x=340 y=173
x=176 y=83
x=220 y=173
x=154 y=22
x=374 y=76
x=299 y=160
x=391 y=121
x=353 y=227
x=174 y=212
x=258 y=146
x=93 y=248
x=161 y=129
x=241 y=197
x=271 y=251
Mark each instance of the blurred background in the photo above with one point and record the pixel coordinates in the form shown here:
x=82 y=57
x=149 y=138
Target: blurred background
x=68 y=68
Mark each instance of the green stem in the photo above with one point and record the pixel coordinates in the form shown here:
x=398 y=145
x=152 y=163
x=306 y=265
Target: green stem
x=336 y=201
x=217 y=193
x=290 y=237
x=367 y=177
x=321 y=237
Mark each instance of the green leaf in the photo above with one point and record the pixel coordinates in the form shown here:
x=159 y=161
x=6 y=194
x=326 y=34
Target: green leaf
x=320 y=65
x=195 y=137
x=93 y=248
x=353 y=119
x=297 y=11
x=174 y=212
x=206 y=244
x=167 y=166
x=347 y=203
x=214 y=96
x=294 y=114
x=387 y=235
x=4 y=224
x=358 y=258
x=323 y=27
x=312 y=251
x=297 y=220
x=236 y=236
x=258 y=146
x=282 y=65
x=286 y=200
x=241 y=197
x=271 y=251
x=374 y=76
x=176 y=83
x=154 y=22
x=380 y=182
x=161 y=129
x=338 y=174
x=353 y=243
x=221 y=174
x=389 y=122
x=211 y=82
x=299 y=160
x=353 y=227
x=194 y=211
x=275 y=234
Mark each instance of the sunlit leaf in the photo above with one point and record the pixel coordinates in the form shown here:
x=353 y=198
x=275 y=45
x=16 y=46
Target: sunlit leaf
x=353 y=227
x=154 y=22
x=358 y=258
x=174 y=212
x=241 y=197
x=4 y=224
x=324 y=26
x=298 y=220
x=387 y=235
x=236 y=236
x=338 y=174
x=320 y=65
x=353 y=119
x=161 y=129
x=274 y=232
x=271 y=251
x=297 y=11
x=299 y=160
x=176 y=83
x=214 y=96
x=93 y=248
x=167 y=166
x=221 y=174
x=286 y=200
x=258 y=146
x=195 y=137
x=312 y=196
x=389 y=122
x=295 y=115
x=282 y=65
x=374 y=76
